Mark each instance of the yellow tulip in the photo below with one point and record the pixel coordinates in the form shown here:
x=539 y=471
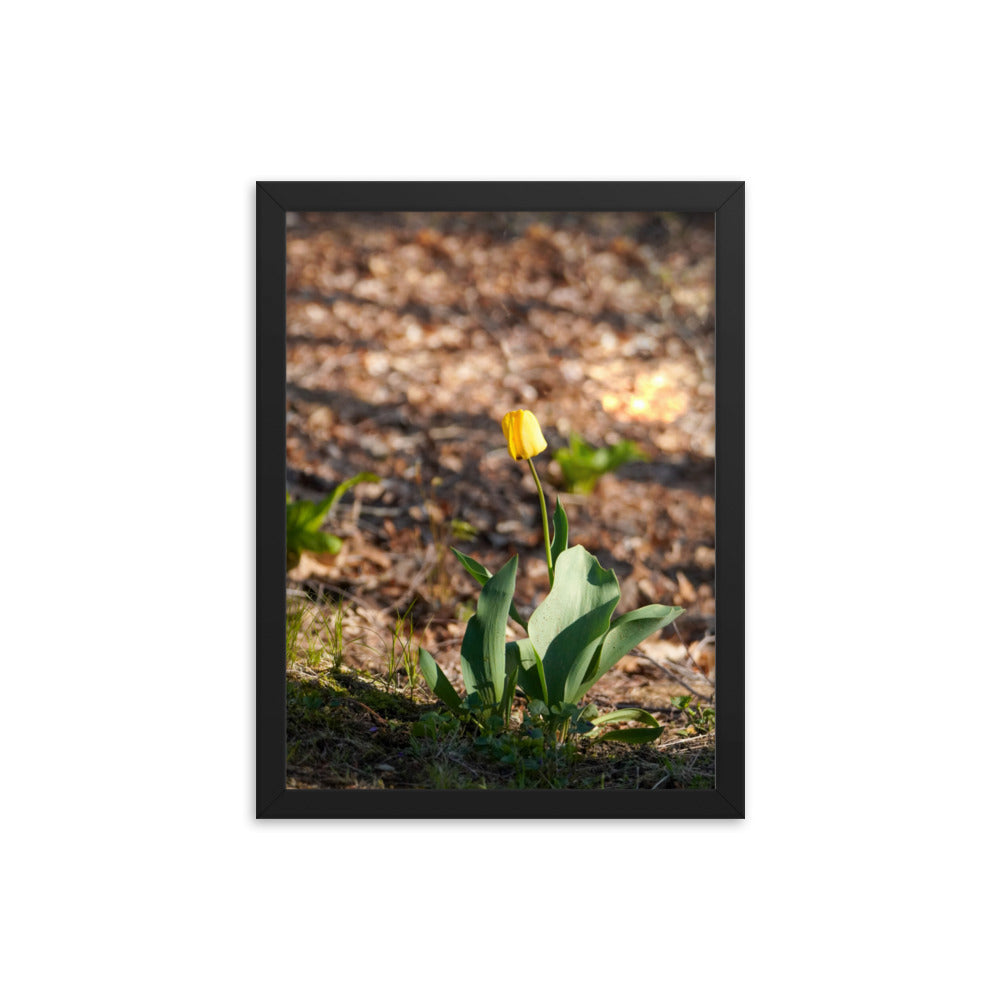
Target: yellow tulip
x=524 y=436
x=525 y=440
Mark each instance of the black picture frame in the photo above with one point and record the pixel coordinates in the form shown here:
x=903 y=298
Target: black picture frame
x=726 y=200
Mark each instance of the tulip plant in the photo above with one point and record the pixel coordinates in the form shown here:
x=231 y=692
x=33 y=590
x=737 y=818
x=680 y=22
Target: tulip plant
x=572 y=640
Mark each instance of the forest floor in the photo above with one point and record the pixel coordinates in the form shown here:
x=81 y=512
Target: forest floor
x=408 y=338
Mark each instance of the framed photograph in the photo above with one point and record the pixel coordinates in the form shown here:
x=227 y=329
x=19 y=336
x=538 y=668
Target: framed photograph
x=500 y=499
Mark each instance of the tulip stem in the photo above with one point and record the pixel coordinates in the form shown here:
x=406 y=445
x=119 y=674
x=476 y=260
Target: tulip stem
x=545 y=522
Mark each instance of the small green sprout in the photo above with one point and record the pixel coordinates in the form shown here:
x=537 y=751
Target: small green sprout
x=304 y=522
x=582 y=465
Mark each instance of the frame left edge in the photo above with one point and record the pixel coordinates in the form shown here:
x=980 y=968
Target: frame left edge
x=270 y=500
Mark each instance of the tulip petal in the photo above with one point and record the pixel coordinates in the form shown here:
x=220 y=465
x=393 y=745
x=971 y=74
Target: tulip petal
x=523 y=434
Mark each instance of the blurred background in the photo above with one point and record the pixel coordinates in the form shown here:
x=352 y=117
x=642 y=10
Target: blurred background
x=410 y=335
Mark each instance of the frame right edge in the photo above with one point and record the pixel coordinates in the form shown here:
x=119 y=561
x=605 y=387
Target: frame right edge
x=730 y=492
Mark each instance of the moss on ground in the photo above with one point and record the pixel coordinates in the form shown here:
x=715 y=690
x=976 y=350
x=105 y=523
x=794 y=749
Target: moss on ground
x=349 y=728
x=349 y=731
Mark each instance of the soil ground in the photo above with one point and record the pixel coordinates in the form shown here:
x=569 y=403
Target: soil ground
x=409 y=336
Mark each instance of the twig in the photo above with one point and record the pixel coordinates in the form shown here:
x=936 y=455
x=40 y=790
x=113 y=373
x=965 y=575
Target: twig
x=361 y=704
x=674 y=677
x=690 y=739
x=701 y=642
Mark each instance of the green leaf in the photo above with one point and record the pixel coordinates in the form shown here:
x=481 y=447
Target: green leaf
x=625 y=715
x=567 y=628
x=626 y=633
x=512 y=666
x=631 y=735
x=361 y=477
x=304 y=521
x=476 y=570
x=530 y=676
x=561 y=537
x=484 y=658
x=298 y=513
x=582 y=465
x=307 y=515
x=473 y=669
x=481 y=574
x=318 y=514
x=437 y=681
x=494 y=724
x=494 y=609
x=319 y=541
x=638 y=735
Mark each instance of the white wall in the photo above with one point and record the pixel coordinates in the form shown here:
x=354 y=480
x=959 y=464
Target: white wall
x=865 y=132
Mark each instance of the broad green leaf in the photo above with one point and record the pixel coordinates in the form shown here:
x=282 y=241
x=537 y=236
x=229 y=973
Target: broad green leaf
x=625 y=634
x=483 y=655
x=437 y=681
x=305 y=515
x=642 y=735
x=561 y=539
x=481 y=574
x=297 y=513
x=318 y=541
x=477 y=681
x=631 y=735
x=567 y=628
x=494 y=609
x=625 y=715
